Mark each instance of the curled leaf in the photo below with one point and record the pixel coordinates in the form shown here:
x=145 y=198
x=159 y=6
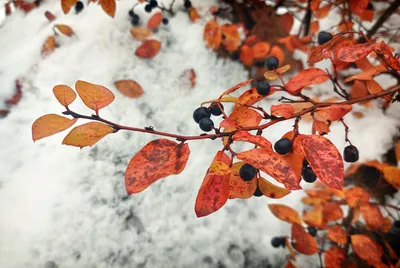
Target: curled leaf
x=260 y=50
x=271 y=190
x=332 y=211
x=50 y=124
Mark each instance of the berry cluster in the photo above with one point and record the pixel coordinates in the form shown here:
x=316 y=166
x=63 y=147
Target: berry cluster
x=202 y=116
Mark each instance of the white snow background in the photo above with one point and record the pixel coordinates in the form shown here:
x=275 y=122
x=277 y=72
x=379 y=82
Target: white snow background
x=65 y=207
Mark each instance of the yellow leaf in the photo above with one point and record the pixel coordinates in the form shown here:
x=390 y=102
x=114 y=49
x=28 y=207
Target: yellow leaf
x=271 y=75
x=64 y=94
x=271 y=190
x=224 y=99
x=87 y=134
x=219 y=168
x=94 y=96
x=50 y=124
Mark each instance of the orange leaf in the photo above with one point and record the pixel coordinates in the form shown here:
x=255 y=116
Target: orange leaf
x=324 y=159
x=305 y=78
x=356 y=196
x=94 y=96
x=231 y=40
x=64 y=29
x=255 y=139
x=273 y=164
x=157 y=159
x=355 y=52
x=87 y=134
x=246 y=55
x=332 y=211
x=337 y=234
x=366 y=249
x=287 y=22
x=332 y=113
x=323 y=12
x=334 y=257
x=148 y=49
x=50 y=124
x=251 y=96
x=285 y=213
x=64 y=94
x=307 y=200
x=367 y=74
x=141 y=33
x=212 y=35
x=238 y=188
x=304 y=242
x=283 y=110
x=66 y=5
x=49 y=45
x=276 y=51
x=358 y=6
x=129 y=88
x=313 y=216
x=372 y=216
x=358 y=89
x=260 y=50
x=109 y=6
x=320 y=127
x=193 y=14
x=314 y=4
x=271 y=190
x=155 y=20
x=214 y=190
x=289 y=265
x=367 y=15
x=245 y=117
x=314 y=27
x=392 y=176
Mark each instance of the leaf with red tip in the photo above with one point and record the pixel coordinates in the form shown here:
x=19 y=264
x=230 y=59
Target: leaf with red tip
x=238 y=188
x=282 y=110
x=66 y=5
x=64 y=94
x=94 y=96
x=214 y=190
x=334 y=257
x=50 y=124
x=372 y=216
x=87 y=134
x=324 y=159
x=304 y=242
x=109 y=6
x=332 y=113
x=129 y=88
x=157 y=159
x=273 y=164
x=366 y=249
x=245 y=117
x=255 y=139
x=271 y=190
x=337 y=234
x=155 y=20
x=305 y=78
x=285 y=213
x=212 y=35
x=355 y=52
x=149 y=49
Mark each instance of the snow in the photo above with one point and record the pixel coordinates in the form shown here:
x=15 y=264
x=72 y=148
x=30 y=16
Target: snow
x=65 y=207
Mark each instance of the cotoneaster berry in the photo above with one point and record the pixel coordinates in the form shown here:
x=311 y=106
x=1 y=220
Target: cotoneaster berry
x=206 y=124
x=247 y=172
x=308 y=175
x=215 y=110
x=312 y=230
x=283 y=146
x=79 y=7
x=153 y=3
x=148 y=8
x=263 y=87
x=350 y=154
x=258 y=192
x=187 y=4
x=324 y=37
x=200 y=113
x=272 y=63
x=165 y=21
x=135 y=19
x=131 y=13
x=278 y=241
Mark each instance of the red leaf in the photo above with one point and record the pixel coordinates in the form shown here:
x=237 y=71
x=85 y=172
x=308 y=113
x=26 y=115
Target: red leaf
x=246 y=55
x=367 y=74
x=283 y=110
x=305 y=78
x=287 y=22
x=333 y=112
x=148 y=49
x=324 y=158
x=238 y=188
x=271 y=190
x=366 y=249
x=304 y=242
x=155 y=20
x=355 y=52
x=334 y=257
x=257 y=140
x=214 y=190
x=273 y=164
x=49 y=16
x=245 y=117
x=157 y=159
x=109 y=6
x=358 y=6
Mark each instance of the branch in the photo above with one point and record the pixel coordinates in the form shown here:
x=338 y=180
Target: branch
x=388 y=12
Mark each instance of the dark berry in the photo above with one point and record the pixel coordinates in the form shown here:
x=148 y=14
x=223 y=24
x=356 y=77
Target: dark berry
x=283 y=146
x=263 y=87
x=215 y=110
x=259 y=63
x=79 y=6
x=165 y=21
x=324 y=37
x=370 y=6
x=312 y=230
x=148 y=8
x=200 y=113
x=308 y=175
x=187 y=4
x=305 y=163
x=153 y=3
x=272 y=63
x=258 y=192
x=278 y=241
x=131 y=13
x=135 y=19
x=206 y=124
x=350 y=154
x=247 y=172
x=396 y=224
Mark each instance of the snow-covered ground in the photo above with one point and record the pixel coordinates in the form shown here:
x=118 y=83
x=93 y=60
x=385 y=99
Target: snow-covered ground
x=65 y=207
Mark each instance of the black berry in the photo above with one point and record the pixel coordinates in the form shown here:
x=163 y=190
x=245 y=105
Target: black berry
x=305 y=163
x=283 y=146
x=247 y=172
x=263 y=87
x=278 y=241
x=153 y=3
x=200 y=113
x=206 y=124
x=259 y=63
x=135 y=19
x=165 y=21
x=324 y=37
x=312 y=230
x=148 y=8
x=350 y=154
x=79 y=6
x=215 y=110
x=187 y=4
x=370 y=6
x=308 y=175
x=258 y=192
x=396 y=224
x=272 y=63
x=131 y=13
